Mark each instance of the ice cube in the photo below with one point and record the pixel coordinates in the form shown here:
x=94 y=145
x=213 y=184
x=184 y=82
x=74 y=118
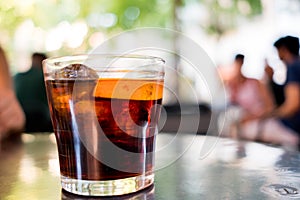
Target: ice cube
x=76 y=71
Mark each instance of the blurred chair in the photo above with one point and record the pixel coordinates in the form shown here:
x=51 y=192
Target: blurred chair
x=187 y=118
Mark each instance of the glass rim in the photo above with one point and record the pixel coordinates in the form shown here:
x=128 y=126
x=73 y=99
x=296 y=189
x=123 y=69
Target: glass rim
x=68 y=58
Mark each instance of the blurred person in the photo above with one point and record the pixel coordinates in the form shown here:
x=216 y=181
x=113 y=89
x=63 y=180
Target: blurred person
x=249 y=94
x=275 y=88
x=250 y=101
x=12 y=118
x=31 y=92
x=289 y=112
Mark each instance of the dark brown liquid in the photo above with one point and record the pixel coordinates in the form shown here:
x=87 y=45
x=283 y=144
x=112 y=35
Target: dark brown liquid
x=119 y=133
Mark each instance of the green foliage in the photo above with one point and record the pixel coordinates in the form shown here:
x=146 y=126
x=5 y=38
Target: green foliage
x=129 y=13
x=111 y=16
x=227 y=14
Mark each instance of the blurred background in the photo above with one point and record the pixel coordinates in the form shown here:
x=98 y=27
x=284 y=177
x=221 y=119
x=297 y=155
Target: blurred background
x=222 y=28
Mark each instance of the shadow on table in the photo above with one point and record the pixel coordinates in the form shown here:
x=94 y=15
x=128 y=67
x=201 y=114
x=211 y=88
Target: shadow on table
x=11 y=152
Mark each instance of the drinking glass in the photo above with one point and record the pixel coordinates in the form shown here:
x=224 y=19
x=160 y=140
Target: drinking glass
x=105 y=111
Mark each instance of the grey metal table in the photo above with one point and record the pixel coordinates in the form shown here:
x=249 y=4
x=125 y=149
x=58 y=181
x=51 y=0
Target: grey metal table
x=187 y=167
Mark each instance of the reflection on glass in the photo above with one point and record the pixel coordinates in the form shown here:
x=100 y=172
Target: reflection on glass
x=146 y=194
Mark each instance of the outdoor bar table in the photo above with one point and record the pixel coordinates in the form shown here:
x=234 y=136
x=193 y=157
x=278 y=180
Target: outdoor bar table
x=188 y=166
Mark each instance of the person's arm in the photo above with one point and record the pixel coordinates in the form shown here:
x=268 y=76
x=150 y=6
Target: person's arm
x=5 y=79
x=12 y=117
x=291 y=103
x=267 y=98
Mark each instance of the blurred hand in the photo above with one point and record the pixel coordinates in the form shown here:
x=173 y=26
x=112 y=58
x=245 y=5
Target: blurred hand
x=248 y=117
x=12 y=118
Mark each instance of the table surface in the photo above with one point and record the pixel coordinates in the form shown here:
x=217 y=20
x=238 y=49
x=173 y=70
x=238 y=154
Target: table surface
x=187 y=167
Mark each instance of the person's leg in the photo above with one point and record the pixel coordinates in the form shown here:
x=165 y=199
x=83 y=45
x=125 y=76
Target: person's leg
x=250 y=130
x=275 y=132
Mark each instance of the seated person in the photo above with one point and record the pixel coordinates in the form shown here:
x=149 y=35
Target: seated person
x=31 y=92
x=250 y=102
x=289 y=112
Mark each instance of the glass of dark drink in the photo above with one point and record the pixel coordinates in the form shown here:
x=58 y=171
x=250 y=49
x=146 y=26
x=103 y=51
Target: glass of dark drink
x=105 y=111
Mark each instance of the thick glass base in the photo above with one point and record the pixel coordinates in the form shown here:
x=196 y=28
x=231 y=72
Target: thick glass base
x=108 y=187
